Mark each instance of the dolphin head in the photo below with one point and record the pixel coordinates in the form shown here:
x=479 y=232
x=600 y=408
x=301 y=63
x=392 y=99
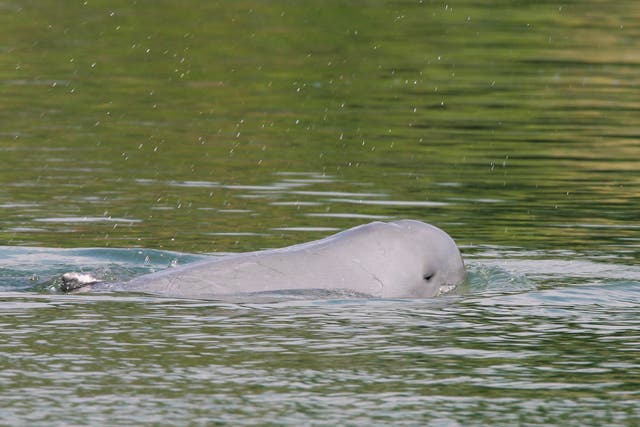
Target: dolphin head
x=432 y=262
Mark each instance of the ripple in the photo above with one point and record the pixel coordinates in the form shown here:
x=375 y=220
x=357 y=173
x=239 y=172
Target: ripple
x=194 y=184
x=19 y=205
x=305 y=229
x=36 y=82
x=337 y=194
x=391 y=202
x=25 y=229
x=296 y=203
x=81 y=219
x=235 y=233
x=348 y=215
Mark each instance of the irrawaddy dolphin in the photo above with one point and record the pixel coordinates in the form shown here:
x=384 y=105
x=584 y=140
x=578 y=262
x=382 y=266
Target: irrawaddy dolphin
x=398 y=259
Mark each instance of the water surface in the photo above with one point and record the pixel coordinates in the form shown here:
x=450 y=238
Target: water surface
x=138 y=134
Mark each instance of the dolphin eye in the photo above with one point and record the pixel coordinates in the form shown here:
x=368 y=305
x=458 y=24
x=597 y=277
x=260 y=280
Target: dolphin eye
x=429 y=276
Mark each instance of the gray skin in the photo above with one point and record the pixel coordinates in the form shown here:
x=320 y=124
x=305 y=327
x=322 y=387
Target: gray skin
x=399 y=259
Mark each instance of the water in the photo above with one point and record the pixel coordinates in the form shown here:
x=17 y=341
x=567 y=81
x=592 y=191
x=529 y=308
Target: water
x=134 y=135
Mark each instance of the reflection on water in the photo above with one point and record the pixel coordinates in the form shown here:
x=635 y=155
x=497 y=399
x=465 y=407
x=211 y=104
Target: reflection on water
x=525 y=340
x=204 y=127
x=490 y=360
x=495 y=122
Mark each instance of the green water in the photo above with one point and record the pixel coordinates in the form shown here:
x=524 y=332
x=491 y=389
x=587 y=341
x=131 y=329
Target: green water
x=202 y=127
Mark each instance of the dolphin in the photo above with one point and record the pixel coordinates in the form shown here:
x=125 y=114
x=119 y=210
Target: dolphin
x=397 y=259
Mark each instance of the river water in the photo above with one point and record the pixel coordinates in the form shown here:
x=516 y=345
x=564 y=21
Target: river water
x=135 y=135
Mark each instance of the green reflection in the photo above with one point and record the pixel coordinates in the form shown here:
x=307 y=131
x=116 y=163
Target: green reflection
x=519 y=119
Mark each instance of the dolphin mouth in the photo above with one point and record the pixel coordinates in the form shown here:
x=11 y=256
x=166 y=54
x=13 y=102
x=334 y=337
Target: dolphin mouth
x=445 y=289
